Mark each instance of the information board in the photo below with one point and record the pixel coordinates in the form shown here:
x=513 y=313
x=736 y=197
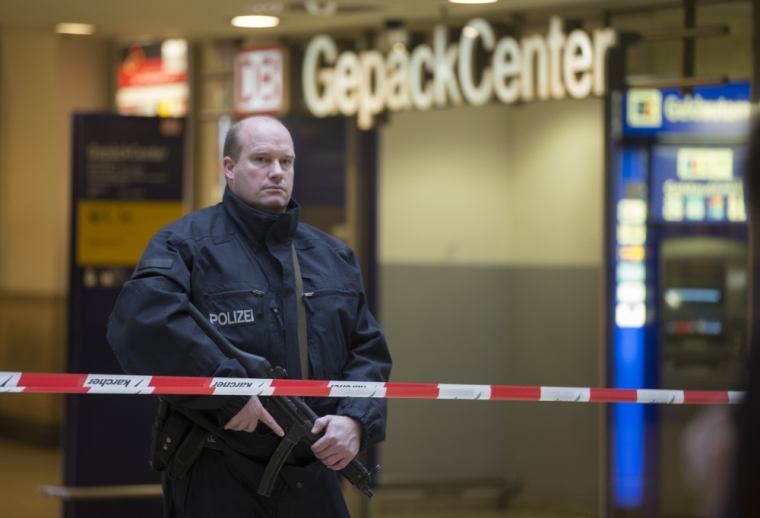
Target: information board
x=127 y=184
x=698 y=184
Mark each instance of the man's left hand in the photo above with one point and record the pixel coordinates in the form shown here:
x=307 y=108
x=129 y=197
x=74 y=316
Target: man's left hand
x=340 y=444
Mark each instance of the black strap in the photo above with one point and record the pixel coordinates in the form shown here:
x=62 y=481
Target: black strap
x=302 y=340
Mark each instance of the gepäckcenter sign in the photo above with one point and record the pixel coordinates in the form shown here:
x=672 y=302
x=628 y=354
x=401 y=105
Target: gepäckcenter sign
x=535 y=67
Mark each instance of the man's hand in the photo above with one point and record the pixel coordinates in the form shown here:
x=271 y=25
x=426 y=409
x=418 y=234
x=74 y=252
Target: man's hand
x=249 y=416
x=340 y=444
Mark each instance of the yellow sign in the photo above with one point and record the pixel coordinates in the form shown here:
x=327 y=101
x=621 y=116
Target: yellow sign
x=115 y=233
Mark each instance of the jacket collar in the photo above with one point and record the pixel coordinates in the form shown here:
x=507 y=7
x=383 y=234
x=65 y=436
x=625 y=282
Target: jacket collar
x=260 y=227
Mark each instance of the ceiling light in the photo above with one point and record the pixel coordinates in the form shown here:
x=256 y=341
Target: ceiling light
x=473 y=1
x=75 y=28
x=255 y=21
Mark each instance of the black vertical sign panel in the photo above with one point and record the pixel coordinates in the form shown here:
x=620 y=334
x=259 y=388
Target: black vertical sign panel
x=127 y=183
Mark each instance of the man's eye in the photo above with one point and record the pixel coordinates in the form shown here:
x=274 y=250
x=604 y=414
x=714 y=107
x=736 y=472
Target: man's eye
x=260 y=160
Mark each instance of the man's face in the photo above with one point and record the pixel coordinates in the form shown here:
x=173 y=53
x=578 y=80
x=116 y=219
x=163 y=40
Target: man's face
x=262 y=176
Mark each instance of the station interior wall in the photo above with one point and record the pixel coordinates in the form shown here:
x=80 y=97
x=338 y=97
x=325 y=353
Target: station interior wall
x=490 y=254
x=44 y=78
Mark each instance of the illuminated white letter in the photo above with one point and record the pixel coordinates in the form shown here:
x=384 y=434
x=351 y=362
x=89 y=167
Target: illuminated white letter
x=397 y=89
x=556 y=39
x=480 y=94
x=506 y=70
x=323 y=105
x=577 y=61
x=603 y=40
x=445 y=79
x=422 y=97
x=534 y=46
x=371 y=101
x=346 y=83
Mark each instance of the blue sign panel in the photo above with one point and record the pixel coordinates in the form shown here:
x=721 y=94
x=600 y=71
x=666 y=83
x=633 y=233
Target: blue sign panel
x=698 y=184
x=651 y=182
x=709 y=110
x=629 y=347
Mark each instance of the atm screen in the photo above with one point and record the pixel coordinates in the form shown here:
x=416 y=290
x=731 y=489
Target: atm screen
x=694 y=297
x=698 y=184
x=703 y=301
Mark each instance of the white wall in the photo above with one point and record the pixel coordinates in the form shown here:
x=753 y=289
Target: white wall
x=445 y=193
x=495 y=185
x=30 y=168
x=558 y=207
x=44 y=77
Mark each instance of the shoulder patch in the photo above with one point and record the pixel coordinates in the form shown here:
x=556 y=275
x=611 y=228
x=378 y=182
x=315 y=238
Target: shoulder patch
x=155 y=263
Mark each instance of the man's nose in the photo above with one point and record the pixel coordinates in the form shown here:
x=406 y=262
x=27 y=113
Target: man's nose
x=276 y=169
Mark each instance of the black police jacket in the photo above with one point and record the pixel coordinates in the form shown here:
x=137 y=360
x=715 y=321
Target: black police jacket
x=235 y=264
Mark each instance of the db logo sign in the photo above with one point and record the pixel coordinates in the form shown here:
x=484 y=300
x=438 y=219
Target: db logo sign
x=259 y=82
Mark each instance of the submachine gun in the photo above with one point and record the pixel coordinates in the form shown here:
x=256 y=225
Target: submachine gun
x=295 y=416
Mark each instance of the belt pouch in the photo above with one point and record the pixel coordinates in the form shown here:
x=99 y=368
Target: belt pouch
x=170 y=438
x=188 y=452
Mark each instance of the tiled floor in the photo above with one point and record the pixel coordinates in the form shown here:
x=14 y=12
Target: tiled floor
x=24 y=468
x=382 y=507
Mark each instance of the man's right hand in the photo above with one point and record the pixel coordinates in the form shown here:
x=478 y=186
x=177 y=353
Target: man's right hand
x=249 y=416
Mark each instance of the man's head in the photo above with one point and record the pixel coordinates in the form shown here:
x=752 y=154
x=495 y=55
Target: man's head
x=258 y=163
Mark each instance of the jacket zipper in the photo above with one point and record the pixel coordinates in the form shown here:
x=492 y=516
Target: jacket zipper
x=260 y=294
x=277 y=313
x=307 y=300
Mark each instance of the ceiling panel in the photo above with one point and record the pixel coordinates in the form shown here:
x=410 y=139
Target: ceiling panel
x=204 y=18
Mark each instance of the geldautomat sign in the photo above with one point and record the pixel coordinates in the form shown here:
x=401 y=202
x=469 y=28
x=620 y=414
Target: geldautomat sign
x=534 y=67
x=708 y=110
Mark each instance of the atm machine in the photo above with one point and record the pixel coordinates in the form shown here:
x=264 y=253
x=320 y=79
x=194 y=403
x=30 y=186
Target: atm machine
x=677 y=278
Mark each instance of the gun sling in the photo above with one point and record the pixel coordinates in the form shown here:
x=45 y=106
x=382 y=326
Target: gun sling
x=303 y=343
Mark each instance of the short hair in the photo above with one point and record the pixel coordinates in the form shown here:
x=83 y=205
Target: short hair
x=232 y=147
x=232 y=143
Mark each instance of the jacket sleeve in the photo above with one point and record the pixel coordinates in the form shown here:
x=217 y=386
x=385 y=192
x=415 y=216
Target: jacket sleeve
x=151 y=331
x=368 y=360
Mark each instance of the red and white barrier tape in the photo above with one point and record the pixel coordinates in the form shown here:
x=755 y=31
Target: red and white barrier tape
x=111 y=384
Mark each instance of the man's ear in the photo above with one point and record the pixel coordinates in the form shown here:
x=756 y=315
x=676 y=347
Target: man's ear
x=229 y=168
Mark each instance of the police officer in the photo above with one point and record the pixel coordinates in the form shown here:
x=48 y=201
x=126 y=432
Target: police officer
x=238 y=263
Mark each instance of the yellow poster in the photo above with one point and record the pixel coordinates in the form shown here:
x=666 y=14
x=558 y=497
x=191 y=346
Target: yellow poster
x=115 y=233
